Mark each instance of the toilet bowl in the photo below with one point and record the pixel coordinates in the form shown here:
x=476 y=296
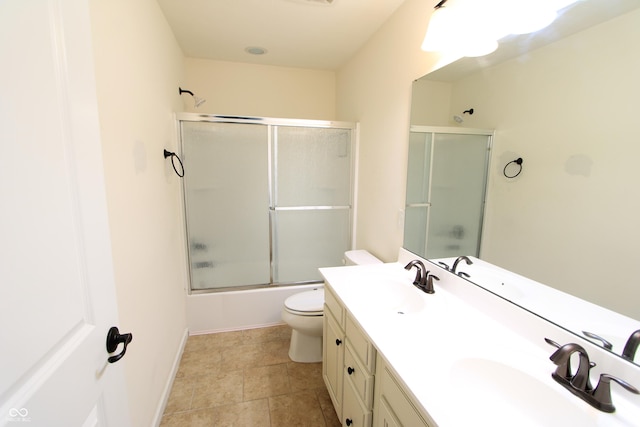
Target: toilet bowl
x=303 y=312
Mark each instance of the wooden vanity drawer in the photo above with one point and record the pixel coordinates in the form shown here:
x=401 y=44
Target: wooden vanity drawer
x=359 y=376
x=354 y=413
x=360 y=344
x=332 y=303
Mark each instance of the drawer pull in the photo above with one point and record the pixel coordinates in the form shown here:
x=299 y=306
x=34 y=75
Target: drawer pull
x=338 y=341
x=349 y=421
x=350 y=370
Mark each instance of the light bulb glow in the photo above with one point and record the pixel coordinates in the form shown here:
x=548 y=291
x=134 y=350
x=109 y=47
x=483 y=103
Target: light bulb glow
x=473 y=27
x=439 y=33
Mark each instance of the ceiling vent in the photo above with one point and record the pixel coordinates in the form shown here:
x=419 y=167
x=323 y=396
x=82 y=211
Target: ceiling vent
x=318 y=2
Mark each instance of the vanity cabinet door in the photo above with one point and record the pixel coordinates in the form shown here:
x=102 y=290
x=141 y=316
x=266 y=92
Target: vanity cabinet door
x=333 y=359
x=384 y=417
x=393 y=406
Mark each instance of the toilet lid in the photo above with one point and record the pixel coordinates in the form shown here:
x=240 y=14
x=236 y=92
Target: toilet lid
x=306 y=302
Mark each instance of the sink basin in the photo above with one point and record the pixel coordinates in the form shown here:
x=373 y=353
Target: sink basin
x=395 y=297
x=509 y=396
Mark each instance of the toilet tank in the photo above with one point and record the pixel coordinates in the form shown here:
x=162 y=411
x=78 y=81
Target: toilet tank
x=360 y=257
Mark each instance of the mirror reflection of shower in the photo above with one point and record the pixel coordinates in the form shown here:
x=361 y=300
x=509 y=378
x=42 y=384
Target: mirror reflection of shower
x=459 y=119
x=197 y=101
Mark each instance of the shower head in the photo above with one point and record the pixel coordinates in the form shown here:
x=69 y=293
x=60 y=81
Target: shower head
x=196 y=100
x=459 y=119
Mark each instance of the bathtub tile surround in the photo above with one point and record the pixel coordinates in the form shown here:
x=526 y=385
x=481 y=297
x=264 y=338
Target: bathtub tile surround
x=245 y=378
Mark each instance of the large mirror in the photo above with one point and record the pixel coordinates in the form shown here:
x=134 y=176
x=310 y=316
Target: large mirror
x=566 y=101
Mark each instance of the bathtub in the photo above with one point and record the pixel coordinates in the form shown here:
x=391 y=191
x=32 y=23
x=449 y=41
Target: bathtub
x=236 y=310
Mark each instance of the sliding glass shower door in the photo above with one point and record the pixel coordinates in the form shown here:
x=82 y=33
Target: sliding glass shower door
x=311 y=205
x=446 y=181
x=226 y=192
x=266 y=203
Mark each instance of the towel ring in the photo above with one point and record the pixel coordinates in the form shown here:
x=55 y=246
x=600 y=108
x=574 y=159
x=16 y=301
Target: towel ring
x=175 y=156
x=518 y=162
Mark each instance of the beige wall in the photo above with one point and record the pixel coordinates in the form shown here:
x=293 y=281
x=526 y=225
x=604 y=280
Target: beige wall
x=431 y=104
x=569 y=110
x=374 y=88
x=258 y=90
x=138 y=70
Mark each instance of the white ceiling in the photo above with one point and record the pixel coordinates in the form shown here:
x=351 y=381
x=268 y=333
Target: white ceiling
x=296 y=33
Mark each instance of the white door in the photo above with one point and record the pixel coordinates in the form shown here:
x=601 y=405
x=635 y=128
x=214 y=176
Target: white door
x=57 y=294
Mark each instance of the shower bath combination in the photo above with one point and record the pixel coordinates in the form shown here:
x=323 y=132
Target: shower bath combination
x=243 y=168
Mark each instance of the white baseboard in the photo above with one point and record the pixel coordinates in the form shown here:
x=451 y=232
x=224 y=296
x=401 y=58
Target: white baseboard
x=238 y=328
x=172 y=375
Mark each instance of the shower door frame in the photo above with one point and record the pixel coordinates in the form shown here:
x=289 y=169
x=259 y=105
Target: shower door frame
x=271 y=123
x=434 y=130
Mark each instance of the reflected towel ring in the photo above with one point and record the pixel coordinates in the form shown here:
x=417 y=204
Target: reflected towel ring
x=175 y=156
x=518 y=162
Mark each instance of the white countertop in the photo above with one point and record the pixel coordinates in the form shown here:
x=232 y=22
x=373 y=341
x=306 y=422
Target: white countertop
x=465 y=366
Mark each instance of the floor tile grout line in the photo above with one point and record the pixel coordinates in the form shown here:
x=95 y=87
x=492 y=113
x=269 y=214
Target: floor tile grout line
x=291 y=368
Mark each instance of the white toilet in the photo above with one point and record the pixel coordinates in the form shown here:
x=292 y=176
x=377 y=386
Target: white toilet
x=303 y=313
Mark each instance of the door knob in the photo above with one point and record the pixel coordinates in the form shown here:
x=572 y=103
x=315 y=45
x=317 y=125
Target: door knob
x=114 y=338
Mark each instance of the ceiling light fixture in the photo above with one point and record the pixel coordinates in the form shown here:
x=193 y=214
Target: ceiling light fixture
x=473 y=27
x=317 y=2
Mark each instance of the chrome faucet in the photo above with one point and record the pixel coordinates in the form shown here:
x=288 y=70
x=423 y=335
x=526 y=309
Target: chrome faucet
x=632 y=345
x=457 y=261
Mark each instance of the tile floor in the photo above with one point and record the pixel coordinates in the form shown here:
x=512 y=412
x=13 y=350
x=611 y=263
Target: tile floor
x=245 y=378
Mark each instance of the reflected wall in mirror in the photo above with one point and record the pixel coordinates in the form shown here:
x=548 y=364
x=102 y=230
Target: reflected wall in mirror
x=569 y=108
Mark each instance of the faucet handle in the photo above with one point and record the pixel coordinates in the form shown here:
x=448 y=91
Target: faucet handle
x=444 y=265
x=552 y=342
x=606 y=344
x=429 y=287
x=602 y=393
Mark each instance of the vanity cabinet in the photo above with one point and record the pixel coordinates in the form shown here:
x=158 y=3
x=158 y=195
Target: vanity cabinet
x=393 y=406
x=333 y=357
x=348 y=364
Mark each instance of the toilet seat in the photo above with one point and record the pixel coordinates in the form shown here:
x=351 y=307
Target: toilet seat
x=309 y=303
